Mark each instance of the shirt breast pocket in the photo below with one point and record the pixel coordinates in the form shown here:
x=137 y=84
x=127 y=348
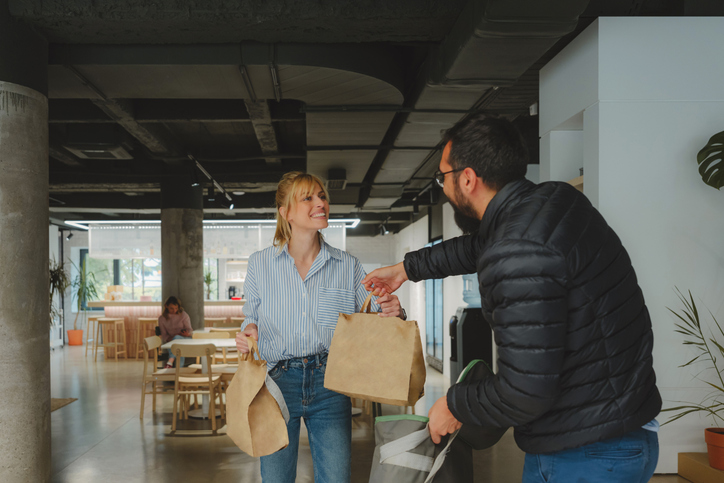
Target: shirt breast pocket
x=332 y=301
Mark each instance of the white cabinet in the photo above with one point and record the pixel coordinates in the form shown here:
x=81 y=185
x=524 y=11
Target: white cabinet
x=233 y=275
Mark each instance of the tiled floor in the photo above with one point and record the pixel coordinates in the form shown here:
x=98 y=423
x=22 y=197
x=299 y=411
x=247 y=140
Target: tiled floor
x=100 y=438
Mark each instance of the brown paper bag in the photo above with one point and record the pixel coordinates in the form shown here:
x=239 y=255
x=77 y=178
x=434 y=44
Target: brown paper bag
x=376 y=358
x=253 y=416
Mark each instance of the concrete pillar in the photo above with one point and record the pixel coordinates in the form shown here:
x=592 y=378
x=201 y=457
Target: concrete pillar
x=24 y=319
x=182 y=243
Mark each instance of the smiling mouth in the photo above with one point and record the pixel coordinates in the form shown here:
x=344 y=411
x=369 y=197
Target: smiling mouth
x=320 y=215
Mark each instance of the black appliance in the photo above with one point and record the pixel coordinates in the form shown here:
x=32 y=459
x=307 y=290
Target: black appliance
x=232 y=291
x=470 y=338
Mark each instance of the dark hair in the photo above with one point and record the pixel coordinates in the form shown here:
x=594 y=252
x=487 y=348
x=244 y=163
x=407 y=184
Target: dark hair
x=171 y=301
x=492 y=146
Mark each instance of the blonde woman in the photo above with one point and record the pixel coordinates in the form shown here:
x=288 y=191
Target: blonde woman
x=294 y=292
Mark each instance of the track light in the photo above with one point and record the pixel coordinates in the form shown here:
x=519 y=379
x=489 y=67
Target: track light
x=211 y=196
x=383 y=230
x=70 y=235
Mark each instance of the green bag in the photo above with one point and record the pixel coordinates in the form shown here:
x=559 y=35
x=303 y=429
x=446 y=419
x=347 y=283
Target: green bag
x=405 y=452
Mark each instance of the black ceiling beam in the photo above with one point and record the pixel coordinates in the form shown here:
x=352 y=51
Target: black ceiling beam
x=260 y=116
x=64 y=157
x=374 y=147
x=384 y=108
x=121 y=110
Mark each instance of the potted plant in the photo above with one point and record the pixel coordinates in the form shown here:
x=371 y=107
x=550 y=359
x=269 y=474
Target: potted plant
x=84 y=288
x=59 y=282
x=708 y=343
x=710 y=160
x=208 y=280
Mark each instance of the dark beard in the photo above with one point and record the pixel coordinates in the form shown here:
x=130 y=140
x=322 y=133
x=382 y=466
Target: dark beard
x=465 y=218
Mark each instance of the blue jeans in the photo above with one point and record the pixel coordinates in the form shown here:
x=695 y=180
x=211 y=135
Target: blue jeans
x=327 y=416
x=630 y=458
x=180 y=361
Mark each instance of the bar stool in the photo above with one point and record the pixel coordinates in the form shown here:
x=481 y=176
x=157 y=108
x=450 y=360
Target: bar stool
x=90 y=331
x=212 y=321
x=107 y=324
x=142 y=331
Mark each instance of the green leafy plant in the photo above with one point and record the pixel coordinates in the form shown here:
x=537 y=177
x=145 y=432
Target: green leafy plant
x=711 y=161
x=84 y=288
x=59 y=283
x=208 y=280
x=709 y=351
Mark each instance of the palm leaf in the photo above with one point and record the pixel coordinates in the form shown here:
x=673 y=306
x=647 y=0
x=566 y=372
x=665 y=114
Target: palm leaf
x=710 y=160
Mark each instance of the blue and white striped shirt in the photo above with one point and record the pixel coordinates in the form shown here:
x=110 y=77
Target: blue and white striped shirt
x=297 y=318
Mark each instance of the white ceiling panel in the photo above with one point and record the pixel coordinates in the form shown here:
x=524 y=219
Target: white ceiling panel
x=355 y=162
x=347 y=128
x=380 y=202
x=321 y=86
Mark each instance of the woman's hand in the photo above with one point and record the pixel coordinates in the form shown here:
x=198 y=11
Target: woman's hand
x=252 y=331
x=389 y=305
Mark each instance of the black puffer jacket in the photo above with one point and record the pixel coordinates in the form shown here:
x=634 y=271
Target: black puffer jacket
x=573 y=333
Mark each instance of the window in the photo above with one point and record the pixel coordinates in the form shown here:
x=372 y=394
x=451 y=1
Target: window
x=138 y=276
x=434 y=330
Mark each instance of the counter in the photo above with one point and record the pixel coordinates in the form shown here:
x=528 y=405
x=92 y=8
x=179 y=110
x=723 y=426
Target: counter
x=131 y=310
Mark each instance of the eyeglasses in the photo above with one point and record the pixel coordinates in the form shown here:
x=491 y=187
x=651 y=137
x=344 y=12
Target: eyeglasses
x=440 y=177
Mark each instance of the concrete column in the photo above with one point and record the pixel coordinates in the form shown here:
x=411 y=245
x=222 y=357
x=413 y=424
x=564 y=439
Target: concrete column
x=24 y=319
x=182 y=243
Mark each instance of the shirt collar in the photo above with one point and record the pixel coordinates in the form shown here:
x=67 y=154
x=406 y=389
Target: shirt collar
x=326 y=249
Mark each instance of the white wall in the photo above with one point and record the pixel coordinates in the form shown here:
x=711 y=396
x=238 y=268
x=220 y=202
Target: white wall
x=659 y=98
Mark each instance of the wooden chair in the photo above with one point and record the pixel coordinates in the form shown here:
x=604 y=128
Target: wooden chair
x=237 y=321
x=226 y=355
x=118 y=328
x=227 y=324
x=142 y=330
x=208 y=335
x=90 y=330
x=197 y=384
x=155 y=375
x=210 y=321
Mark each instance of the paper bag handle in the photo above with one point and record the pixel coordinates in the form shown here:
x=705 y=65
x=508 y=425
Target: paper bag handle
x=253 y=349
x=367 y=305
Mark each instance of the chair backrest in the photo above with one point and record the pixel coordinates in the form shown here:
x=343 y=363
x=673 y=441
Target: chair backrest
x=210 y=321
x=193 y=350
x=210 y=335
x=232 y=331
x=151 y=344
x=237 y=320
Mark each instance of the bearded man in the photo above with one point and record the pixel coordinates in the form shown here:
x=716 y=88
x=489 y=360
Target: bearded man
x=575 y=372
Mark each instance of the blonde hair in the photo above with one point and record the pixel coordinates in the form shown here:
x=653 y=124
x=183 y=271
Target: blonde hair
x=291 y=186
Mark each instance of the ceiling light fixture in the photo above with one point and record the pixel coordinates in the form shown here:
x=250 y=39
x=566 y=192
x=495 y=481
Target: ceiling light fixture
x=210 y=195
x=213 y=181
x=70 y=235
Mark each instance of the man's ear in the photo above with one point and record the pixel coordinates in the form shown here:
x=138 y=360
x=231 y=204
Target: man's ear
x=469 y=179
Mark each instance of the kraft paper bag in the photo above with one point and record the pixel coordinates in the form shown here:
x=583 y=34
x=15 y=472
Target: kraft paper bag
x=376 y=358
x=256 y=415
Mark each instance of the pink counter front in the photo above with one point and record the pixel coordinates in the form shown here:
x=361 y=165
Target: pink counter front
x=131 y=311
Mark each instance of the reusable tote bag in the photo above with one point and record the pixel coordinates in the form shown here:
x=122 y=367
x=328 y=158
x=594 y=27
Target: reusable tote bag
x=256 y=414
x=405 y=452
x=376 y=358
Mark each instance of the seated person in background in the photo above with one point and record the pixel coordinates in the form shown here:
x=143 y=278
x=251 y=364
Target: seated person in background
x=174 y=323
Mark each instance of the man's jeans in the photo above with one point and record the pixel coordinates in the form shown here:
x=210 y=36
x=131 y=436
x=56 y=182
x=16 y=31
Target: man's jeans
x=630 y=458
x=327 y=416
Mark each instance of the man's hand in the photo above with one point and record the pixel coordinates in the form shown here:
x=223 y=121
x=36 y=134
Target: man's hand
x=389 y=305
x=386 y=279
x=442 y=421
x=252 y=331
